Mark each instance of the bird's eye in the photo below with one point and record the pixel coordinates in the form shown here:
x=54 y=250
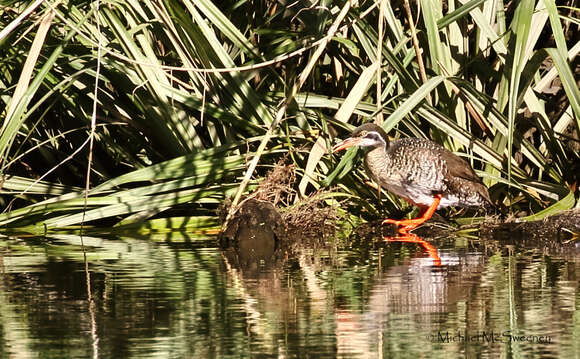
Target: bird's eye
x=372 y=136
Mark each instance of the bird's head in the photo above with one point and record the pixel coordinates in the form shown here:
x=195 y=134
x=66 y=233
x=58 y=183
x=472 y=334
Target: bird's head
x=367 y=135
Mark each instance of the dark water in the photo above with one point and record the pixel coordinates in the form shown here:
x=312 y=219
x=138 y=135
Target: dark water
x=185 y=298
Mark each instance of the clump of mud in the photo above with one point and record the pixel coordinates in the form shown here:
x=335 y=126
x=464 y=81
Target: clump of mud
x=311 y=217
x=274 y=206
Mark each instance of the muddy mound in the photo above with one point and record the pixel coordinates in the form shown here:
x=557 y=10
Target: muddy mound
x=275 y=207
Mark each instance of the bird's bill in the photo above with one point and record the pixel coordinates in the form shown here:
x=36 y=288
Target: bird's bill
x=349 y=142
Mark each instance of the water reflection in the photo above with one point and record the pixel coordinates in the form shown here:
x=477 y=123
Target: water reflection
x=413 y=238
x=389 y=297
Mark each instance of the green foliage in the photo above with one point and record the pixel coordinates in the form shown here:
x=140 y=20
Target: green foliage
x=186 y=90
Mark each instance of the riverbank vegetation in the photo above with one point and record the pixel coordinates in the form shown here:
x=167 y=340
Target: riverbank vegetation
x=152 y=113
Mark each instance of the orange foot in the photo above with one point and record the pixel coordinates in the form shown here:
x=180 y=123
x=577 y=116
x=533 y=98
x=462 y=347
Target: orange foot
x=409 y=224
x=413 y=238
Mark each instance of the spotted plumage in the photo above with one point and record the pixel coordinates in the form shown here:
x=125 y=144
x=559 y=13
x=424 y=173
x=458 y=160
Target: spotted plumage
x=416 y=169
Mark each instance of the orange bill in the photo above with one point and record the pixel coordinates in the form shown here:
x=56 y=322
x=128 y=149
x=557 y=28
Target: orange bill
x=349 y=142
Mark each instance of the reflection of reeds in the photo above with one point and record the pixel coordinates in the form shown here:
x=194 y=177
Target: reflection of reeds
x=171 y=297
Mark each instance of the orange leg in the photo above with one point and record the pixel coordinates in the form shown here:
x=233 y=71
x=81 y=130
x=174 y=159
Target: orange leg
x=408 y=224
x=413 y=238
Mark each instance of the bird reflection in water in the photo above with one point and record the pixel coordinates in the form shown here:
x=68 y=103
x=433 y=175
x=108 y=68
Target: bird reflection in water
x=413 y=238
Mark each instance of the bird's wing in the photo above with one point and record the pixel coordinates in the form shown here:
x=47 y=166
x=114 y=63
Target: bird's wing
x=458 y=167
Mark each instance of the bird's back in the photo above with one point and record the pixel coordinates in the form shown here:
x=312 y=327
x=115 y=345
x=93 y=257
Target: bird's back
x=417 y=169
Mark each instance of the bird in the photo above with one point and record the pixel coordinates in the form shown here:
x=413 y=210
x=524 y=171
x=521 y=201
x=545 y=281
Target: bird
x=420 y=171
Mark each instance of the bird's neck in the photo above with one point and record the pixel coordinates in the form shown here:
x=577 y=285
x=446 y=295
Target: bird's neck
x=377 y=159
x=378 y=152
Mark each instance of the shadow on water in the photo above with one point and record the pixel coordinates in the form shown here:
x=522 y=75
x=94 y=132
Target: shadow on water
x=264 y=294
